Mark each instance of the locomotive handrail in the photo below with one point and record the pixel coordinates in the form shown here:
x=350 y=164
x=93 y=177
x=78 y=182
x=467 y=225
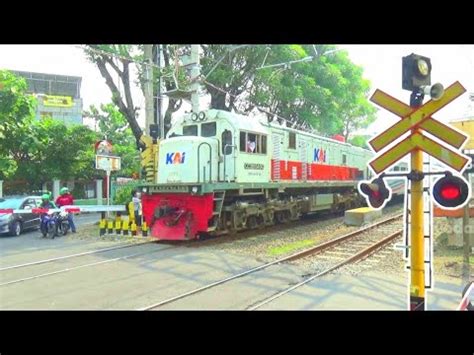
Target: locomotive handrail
x=199 y=161
x=225 y=157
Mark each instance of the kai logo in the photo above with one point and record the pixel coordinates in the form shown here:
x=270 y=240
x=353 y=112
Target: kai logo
x=320 y=155
x=175 y=158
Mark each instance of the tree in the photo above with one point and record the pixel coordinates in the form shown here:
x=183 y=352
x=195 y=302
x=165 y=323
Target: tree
x=37 y=150
x=46 y=149
x=117 y=59
x=113 y=126
x=16 y=113
x=359 y=141
x=328 y=91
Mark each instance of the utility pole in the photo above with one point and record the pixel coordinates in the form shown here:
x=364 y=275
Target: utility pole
x=466 y=235
x=148 y=88
x=159 y=116
x=417 y=235
x=195 y=73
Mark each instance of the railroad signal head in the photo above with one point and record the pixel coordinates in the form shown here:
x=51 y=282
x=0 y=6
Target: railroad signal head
x=451 y=191
x=376 y=192
x=416 y=72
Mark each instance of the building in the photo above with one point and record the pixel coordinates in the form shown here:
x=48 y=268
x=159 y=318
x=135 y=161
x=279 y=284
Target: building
x=59 y=96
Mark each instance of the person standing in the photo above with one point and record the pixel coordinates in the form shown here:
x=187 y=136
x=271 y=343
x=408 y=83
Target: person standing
x=66 y=199
x=137 y=208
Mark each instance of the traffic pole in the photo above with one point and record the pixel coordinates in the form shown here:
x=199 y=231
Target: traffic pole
x=417 y=235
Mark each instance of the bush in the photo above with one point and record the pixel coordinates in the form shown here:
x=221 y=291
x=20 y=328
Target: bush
x=123 y=194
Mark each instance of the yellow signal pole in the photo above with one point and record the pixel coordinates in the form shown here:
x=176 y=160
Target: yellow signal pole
x=417 y=235
x=417 y=250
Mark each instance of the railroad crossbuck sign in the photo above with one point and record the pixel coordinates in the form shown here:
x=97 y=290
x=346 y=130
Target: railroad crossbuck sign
x=419 y=117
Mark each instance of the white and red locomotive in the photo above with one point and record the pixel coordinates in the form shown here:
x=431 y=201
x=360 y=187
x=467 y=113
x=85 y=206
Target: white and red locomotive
x=219 y=171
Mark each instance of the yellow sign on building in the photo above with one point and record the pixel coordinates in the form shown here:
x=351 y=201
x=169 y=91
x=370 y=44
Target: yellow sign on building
x=58 y=101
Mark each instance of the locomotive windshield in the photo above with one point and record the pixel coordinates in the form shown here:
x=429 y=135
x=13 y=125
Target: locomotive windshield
x=190 y=130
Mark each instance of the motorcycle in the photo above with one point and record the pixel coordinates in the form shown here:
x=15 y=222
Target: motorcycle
x=48 y=224
x=63 y=222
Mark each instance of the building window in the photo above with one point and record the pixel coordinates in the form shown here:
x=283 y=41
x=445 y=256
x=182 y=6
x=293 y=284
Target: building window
x=292 y=140
x=208 y=129
x=190 y=130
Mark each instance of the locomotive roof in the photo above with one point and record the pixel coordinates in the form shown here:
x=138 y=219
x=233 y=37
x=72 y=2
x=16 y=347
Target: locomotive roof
x=259 y=124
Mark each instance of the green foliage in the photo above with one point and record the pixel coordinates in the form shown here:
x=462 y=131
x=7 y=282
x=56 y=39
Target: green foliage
x=328 y=91
x=123 y=194
x=16 y=113
x=36 y=151
x=359 y=141
x=112 y=125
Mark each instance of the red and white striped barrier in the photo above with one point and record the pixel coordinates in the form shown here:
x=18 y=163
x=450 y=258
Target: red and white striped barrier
x=70 y=209
x=468 y=296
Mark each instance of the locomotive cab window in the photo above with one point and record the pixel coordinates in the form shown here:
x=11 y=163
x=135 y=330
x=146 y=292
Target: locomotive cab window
x=262 y=147
x=208 y=129
x=344 y=159
x=292 y=140
x=227 y=142
x=253 y=143
x=251 y=146
x=190 y=130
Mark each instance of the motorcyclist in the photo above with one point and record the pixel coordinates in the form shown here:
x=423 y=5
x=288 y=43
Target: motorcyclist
x=47 y=204
x=66 y=199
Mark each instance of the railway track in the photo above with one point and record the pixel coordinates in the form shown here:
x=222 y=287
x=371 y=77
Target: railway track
x=78 y=255
x=358 y=244
x=193 y=243
x=90 y=252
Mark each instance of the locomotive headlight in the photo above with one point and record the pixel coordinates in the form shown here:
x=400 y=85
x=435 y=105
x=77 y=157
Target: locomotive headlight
x=194 y=189
x=194 y=116
x=202 y=116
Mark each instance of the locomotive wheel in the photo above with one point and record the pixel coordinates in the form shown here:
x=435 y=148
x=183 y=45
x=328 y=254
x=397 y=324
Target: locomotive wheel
x=251 y=222
x=260 y=221
x=280 y=217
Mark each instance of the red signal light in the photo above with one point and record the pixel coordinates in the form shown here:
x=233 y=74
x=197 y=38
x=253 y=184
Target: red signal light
x=450 y=191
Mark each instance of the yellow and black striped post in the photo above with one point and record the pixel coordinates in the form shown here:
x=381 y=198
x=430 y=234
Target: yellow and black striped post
x=144 y=229
x=102 y=225
x=131 y=212
x=110 y=227
x=125 y=227
x=118 y=225
x=133 y=228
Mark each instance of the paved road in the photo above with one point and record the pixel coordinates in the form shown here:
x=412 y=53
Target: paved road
x=162 y=271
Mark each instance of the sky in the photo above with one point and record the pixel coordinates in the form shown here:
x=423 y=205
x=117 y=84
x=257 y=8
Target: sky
x=381 y=64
